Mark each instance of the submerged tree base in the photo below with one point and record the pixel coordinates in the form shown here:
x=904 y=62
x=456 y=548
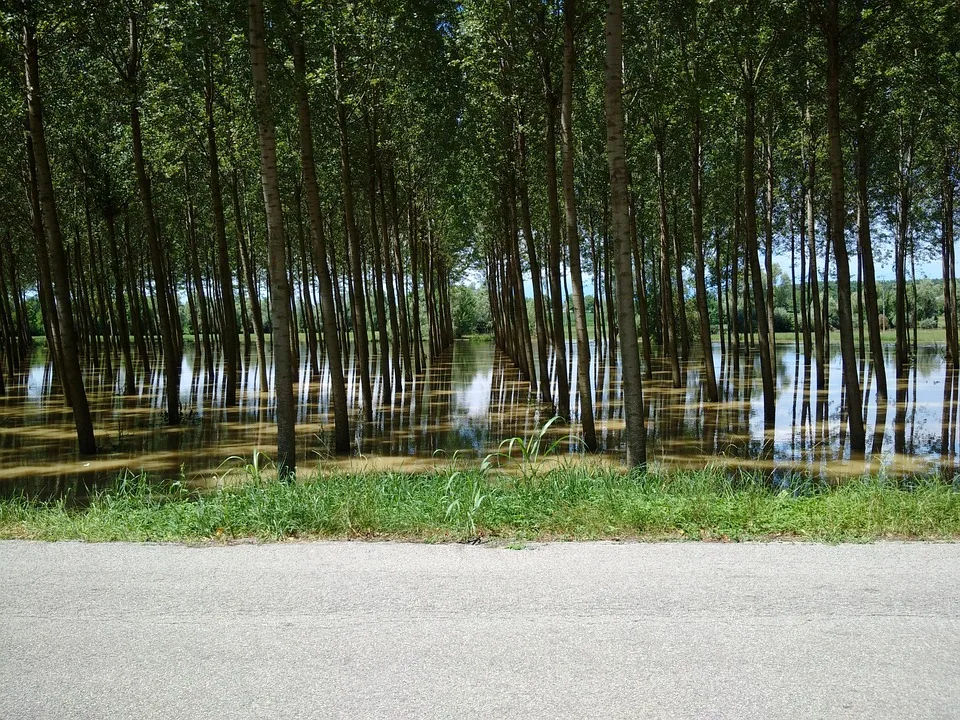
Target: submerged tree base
x=565 y=503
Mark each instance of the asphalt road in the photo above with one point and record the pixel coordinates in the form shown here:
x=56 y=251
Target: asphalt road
x=385 y=630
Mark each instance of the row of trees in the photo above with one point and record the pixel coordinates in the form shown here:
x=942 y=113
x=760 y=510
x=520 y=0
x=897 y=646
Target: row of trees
x=170 y=155
x=395 y=148
x=739 y=131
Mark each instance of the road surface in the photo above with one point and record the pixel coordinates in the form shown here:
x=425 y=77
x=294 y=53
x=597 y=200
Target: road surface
x=387 y=630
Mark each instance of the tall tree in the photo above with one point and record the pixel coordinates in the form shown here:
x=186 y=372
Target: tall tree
x=276 y=248
x=620 y=230
x=573 y=229
x=72 y=373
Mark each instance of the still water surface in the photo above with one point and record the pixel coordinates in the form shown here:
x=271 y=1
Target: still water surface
x=470 y=400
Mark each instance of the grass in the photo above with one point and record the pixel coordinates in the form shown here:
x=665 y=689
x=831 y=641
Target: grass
x=930 y=336
x=575 y=502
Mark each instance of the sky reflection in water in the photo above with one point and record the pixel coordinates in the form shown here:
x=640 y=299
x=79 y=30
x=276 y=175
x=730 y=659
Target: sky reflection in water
x=469 y=400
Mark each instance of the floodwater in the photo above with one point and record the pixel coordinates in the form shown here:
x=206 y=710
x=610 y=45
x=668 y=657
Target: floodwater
x=469 y=400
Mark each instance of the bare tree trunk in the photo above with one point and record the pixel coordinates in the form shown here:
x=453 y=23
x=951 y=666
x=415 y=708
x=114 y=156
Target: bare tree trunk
x=245 y=242
x=171 y=354
x=818 y=329
x=359 y=305
x=573 y=231
x=72 y=374
x=768 y=237
x=753 y=252
x=545 y=394
x=666 y=292
x=638 y=254
x=401 y=283
x=204 y=331
x=377 y=263
x=276 y=246
x=229 y=339
x=636 y=435
x=700 y=272
x=949 y=258
x=129 y=387
x=554 y=252
x=46 y=289
x=386 y=234
x=851 y=378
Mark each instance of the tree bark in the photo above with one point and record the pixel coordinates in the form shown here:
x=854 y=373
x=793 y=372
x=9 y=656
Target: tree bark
x=620 y=230
x=573 y=230
x=554 y=252
x=700 y=272
x=171 y=354
x=851 y=377
x=72 y=373
x=230 y=336
x=753 y=251
x=276 y=249
x=353 y=236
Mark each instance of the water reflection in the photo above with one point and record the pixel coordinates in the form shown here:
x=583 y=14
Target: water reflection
x=469 y=400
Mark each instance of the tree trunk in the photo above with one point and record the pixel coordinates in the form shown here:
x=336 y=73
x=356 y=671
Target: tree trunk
x=666 y=291
x=229 y=335
x=638 y=254
x=851 y=377
x=620 y=230
x=818 y=329
x=359 y=306
x=377 y=264
x=72 y=374
x=554 y=252
x=768 y=237
x=700 y=272
x=276 y=249
x=401 y=282
x=545 y=394
x=171 y=355
x=573 y=231
x=386 y=235
x=949 y=258
x=129 y=387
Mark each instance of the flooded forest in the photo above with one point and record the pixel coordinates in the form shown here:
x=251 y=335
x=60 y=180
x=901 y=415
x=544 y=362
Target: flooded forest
x=385 y=235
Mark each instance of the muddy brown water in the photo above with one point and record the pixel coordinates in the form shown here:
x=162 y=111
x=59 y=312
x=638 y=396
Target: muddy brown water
x=466 y=403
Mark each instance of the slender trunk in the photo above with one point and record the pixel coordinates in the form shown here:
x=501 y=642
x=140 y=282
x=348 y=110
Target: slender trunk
x=818 y=329
x=753 y=252
x=851 y=378
x=573 y=231
x=171 y=356
x=377 y=263
x=636 y=435
x=793 y=282
x=359 y=306
x=244 y=242
x=129 y=387
x=401 y=282
x=386 y=239
x=554 y=253
x=540 y=313
x=73 y=376
x=700 y=273
x=276 y=249
x=666 y=291
x=229 y=334
x=639 y=264
x=202 y=335
x=683 y=329
x=949 y=255
x=768 y=238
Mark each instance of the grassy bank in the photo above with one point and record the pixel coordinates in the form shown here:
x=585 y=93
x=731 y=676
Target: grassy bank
x=569 y=503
